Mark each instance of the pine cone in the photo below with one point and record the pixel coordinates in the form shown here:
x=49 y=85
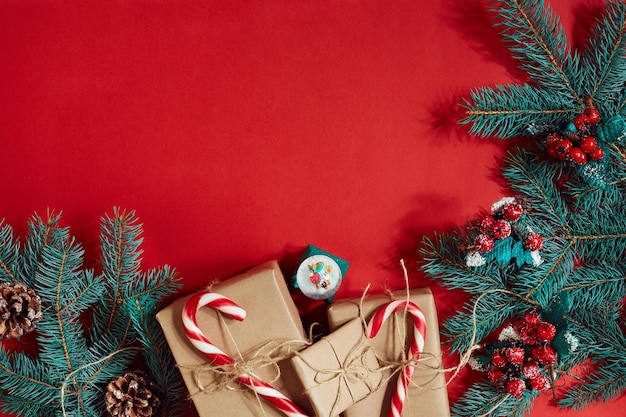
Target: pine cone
x=20 y=309
x=132 y=395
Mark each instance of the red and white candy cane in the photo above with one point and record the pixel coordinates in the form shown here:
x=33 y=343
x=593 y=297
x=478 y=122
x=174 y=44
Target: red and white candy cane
x=417 y=345
x=219 y=358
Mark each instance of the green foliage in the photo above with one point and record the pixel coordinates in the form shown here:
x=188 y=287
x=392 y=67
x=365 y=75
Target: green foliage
x=88 y=334
x=580 y=212
x=482 y=399
x=561 y=79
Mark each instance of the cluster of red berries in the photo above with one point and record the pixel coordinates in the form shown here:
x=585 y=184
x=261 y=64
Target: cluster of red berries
x=577 y=143
x=517 y=367
x=498 y=226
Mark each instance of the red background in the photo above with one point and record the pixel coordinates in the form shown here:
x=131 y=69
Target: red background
x=241 y=131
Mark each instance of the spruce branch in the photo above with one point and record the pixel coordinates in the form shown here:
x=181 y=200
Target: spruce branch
x=535 y=37
x=73 y=365
x=507 y=111
x=484 y=400
x=9 y=253
x=604 y=58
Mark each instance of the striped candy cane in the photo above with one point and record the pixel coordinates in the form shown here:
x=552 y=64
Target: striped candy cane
x=219 y=358
x=417 y=345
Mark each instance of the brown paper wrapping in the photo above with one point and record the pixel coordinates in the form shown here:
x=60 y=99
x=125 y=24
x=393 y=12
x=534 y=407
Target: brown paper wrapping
x=338 y=370
x=271 y=317
x=427 y=395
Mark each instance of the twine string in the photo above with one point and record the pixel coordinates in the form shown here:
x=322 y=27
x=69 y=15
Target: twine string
x=353 y=369
x=225 y=378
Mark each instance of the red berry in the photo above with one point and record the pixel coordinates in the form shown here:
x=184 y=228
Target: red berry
x=515 y=354
x=498 y=359
x=578 y=156
x=516 y=387
x=530 y=370
x=588 y=144
x=532 y=318
x=501 y=229
x=597 y=154
x=593 y=114
x=582 y=122
x=546 y=331
x=483 y=243
x=485 y=224
x=539 y=383
x=562 y=148
x=529 y=338
x=544 y=355
x=532 y=241
x=552 y=139
x=512 y=212
x=553 y=153
x=496 y=376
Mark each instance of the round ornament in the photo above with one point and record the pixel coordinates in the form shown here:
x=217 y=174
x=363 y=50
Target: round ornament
x=319 y=277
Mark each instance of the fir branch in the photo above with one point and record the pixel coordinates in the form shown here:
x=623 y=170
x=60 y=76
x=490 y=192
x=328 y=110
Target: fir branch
x=9 y=253
x=508 y=111
x=120 y=238
x=604 y=58
x=605 y=384
x=443 y=259
x=22 y=376
x=535 y=37
x=533 y=180
x=485 y=315
x=173 y=392
x=41 y=235
x=484 y=400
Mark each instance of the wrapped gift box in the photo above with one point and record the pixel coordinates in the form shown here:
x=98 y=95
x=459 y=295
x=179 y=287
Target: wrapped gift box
x=427 y=395
x=272 y=320
x=338 y=370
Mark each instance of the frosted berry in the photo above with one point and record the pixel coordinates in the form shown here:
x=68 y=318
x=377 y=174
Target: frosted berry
x=498 y=359
x=597 y=154
x=532 y=318
x=543 y=354
x=593 y=114
x=501 y=229
x=532 y=241
x=588 y=144
x=530 y=370
x=483 y=243
x=552 y=139
x=563 y=147
x=485 y=224
x=512 y=212
x=516 y=387
x=546 y=331
x=529 y=336
x=539 y=383
x=496 y=376
x=578 y=156
x=515 y=355
x=582 y=122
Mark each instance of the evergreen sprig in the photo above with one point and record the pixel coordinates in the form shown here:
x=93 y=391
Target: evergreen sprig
x=579 y=212
x=561 y=79
x=89 y=333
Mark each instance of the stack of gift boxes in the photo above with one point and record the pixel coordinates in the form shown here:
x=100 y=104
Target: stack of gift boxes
x=343 y=373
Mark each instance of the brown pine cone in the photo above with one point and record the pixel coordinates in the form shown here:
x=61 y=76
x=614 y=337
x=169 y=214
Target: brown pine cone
x=132 y=395
x=20 y=309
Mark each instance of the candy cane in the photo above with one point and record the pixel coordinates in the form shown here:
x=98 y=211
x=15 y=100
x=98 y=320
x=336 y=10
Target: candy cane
x=417 y=345
x=219 y=358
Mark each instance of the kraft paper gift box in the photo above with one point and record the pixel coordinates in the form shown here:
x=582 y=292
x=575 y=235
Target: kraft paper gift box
x=427 y=395
x=338 y=370
x=271 y=319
